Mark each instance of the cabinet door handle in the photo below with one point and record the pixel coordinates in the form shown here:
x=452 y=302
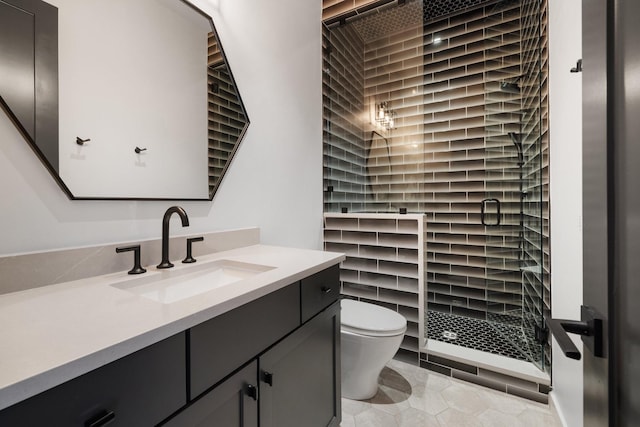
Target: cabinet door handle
x=102 y=419
x=267 y=377
x=326 y=289
x=252 y=391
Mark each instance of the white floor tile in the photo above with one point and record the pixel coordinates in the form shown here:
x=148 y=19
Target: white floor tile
x=410 y=396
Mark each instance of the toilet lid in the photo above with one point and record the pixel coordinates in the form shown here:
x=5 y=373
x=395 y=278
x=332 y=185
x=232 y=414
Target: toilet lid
x=369 y=319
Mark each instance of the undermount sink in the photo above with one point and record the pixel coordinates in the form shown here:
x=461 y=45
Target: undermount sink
x=174 y=285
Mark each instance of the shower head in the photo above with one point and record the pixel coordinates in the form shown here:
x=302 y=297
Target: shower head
x=509 y=87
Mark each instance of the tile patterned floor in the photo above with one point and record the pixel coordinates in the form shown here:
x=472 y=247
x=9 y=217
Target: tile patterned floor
x=413 y=397
x=500 y=334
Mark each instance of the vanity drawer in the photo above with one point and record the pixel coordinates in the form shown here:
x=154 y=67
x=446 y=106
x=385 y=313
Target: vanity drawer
x=140 y=389
x=224 y=343
x=319 y=291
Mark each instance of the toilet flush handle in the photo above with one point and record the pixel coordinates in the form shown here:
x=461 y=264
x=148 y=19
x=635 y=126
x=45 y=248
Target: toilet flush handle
x=326 y=289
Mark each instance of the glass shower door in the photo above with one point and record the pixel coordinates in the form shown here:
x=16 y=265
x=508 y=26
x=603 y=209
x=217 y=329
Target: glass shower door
x=511 y=210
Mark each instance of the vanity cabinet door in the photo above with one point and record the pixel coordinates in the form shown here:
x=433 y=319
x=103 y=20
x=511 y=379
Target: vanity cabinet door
x=319 y=291
x=140 y=389
x=223 y=344
x=300 y=376
x=230 y=404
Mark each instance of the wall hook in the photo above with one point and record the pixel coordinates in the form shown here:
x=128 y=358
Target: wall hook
x=578 y=67
x=139 y=150
x=81 y=141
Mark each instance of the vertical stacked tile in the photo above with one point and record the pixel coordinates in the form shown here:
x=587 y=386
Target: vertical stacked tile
x=385 y=265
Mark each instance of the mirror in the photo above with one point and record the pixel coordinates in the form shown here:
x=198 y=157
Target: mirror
x=147 y=107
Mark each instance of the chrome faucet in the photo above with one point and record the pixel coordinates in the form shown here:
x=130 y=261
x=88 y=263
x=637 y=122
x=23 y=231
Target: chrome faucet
x=165 y=233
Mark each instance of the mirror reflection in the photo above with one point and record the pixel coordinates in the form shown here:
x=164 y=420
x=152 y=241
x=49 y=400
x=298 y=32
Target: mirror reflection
x=227 y=118
x=148 y=107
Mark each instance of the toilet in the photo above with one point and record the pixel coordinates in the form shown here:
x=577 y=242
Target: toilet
x=370 y=336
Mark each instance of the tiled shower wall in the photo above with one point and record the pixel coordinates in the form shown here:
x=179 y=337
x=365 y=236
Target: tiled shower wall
x=343 y=137
x=451 y=149
x=385 y=265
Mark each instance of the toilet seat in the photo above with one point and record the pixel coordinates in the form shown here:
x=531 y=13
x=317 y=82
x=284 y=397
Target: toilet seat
x=370 y=319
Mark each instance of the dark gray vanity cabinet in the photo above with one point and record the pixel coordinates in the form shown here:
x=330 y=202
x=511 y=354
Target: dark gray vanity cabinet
x=299 y=377
x=219 y=346
x=290 y=373
x=273 y=362
x=297 y=384
x=319 y=291
x=233 y=403
x=140 y=389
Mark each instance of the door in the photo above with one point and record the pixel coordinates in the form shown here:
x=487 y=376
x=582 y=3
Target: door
x=611 y=111
x=233 y=403
x=29 y=70
x=624 y=373
x=595 y=207
x=299 y=377
x=515 y=191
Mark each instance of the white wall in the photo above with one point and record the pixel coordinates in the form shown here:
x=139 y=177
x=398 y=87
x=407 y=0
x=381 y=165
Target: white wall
x=275 y=181
x=565 y=121
x=128 y=80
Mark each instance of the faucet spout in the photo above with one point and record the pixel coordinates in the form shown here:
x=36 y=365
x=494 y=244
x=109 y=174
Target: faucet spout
x=165 y=233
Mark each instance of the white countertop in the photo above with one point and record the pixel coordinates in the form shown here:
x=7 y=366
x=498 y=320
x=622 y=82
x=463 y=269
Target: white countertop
x=52 y=334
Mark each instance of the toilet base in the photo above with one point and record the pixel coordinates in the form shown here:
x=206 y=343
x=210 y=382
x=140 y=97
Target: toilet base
x=366 y=389
x=363 y=358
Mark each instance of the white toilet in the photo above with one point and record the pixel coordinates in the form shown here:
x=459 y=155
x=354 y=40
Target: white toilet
x=370 y=337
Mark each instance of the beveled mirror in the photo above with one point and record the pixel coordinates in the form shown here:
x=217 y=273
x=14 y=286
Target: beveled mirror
x=147 y=109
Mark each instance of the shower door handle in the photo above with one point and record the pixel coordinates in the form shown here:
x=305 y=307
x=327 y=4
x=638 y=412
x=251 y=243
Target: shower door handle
x=483 y=208
x=590 y=327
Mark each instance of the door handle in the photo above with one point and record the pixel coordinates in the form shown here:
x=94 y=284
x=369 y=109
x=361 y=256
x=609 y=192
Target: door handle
x=267 y=377
x=590 y=327
x=483 y=208
x=251 y=391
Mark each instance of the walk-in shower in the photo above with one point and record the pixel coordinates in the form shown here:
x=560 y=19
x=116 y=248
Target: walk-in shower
x=466 y=83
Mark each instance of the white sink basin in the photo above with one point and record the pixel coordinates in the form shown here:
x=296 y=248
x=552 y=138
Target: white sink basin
x=174 y=285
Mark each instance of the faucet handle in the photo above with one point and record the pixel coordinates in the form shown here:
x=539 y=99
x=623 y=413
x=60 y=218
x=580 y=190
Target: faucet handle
x=137 y=268
x=189 y=259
